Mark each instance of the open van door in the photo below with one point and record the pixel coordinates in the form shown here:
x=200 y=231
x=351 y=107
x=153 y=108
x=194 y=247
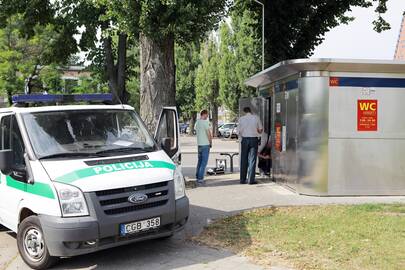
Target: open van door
x=167 y=133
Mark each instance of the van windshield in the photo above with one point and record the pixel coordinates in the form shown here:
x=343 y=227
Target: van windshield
x=87 y=133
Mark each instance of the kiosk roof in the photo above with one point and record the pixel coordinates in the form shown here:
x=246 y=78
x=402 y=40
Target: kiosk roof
x=290 y=67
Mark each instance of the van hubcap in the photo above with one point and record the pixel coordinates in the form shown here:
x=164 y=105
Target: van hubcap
x=34 y=244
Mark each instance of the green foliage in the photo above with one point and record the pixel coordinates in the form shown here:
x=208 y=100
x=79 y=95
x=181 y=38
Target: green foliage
x=229 y=87
x=380 y=24
x=90 y=85
x=187 y=60
x=20 y=56
x=133 y=87
x=161 y=19
x=158 y=19
x=35 y=15
x=293 y=29
x=184 y=20
x=74 y=60
x=206 y=82
x=51 y=78
x=239 y=58
x=133 y=73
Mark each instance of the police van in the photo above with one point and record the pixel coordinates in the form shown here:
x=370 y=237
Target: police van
x=76 y=179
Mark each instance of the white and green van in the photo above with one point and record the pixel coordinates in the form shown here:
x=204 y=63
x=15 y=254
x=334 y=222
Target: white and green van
x=81 y=178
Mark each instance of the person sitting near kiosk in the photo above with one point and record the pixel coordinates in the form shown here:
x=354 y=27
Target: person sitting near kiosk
x=264 y=154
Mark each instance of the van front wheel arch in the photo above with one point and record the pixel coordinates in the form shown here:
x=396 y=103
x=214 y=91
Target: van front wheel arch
x=32 y=246
x=24 y=213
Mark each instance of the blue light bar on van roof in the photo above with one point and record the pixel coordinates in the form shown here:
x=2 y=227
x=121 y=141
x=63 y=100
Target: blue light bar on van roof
x=50 y=98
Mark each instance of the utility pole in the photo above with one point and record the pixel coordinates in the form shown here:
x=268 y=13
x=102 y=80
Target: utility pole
x=260 y=3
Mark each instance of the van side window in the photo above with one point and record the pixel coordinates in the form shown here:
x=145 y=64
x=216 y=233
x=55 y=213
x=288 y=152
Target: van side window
x=167 y=127
x=11 y=139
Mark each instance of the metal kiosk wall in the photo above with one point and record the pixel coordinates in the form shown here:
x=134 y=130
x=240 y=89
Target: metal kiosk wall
x=337 y=125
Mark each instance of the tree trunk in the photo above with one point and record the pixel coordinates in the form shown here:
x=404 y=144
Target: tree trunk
x=29 y=79
x=214 y=120
x=192 y=123
x=215 y=105
x=117 y=73
x=110 y=67
x=157 y=78
x=10 y=97
x=122 y=67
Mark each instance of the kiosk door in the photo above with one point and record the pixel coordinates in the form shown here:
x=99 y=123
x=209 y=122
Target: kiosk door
x=285 y=134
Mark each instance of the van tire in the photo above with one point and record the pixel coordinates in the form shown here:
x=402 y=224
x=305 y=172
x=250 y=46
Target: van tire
x=30 y=232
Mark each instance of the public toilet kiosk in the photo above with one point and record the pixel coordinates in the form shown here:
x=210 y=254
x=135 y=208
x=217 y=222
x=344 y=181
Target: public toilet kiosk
x=337 y=126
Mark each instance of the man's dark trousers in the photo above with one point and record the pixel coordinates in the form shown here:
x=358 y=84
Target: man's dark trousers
x=248 y=158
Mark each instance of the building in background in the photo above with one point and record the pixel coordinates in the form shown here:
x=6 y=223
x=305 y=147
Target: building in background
x=71 y=76
x=400 y=50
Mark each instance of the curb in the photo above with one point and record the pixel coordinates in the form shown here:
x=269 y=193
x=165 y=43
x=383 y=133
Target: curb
x=190 y=183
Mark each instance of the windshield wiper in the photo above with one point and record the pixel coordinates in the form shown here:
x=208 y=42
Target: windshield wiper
x=125 y=150
x=70 y=154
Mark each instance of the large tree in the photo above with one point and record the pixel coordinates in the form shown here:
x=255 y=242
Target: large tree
x=239 y=49
x=161 y=24
x=36 y=37
x=158 y=24
x=207 y=82
x=187 y=61
x=88 y=25
x=293 y=29
x=104 y=39
x=23 y=58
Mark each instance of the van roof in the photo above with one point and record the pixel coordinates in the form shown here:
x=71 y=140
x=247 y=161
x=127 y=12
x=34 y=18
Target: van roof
x=64 y=108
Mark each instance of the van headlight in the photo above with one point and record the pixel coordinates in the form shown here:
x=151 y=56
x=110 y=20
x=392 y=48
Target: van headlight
x=72 y=202
x=179 y=186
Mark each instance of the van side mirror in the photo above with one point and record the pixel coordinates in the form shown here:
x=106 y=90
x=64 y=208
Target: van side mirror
x=6 y=159
x=19 y=173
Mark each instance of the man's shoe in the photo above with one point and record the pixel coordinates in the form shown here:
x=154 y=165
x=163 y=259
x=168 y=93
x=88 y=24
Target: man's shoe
x=200 y=184
x=253 y=183
x=242 y=183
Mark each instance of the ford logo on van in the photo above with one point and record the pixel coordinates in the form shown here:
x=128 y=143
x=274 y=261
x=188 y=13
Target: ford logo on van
x=138 y=198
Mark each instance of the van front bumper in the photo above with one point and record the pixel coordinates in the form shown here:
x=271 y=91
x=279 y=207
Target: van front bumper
x=67 y=237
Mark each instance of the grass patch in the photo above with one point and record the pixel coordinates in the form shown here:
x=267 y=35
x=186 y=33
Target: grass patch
x=370 y=236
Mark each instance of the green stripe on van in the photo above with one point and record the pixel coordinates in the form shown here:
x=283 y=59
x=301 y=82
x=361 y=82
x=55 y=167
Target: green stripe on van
x=40 y=189
x=110 y=168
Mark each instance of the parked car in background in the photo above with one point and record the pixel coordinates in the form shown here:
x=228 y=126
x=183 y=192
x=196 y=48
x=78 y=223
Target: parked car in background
x=232 y=133
x=225 y=127
x=188 y=130
x=183 y=128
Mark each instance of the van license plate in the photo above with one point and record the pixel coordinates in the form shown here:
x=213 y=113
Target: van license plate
x=138 y=226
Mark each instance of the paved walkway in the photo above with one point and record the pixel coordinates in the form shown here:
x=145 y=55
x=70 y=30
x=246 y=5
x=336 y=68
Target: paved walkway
x=221 y=197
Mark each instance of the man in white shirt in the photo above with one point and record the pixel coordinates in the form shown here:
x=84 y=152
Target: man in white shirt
x=250 y=128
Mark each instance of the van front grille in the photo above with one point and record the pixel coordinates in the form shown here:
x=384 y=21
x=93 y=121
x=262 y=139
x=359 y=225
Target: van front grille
x=115 y=201
x=134 y=208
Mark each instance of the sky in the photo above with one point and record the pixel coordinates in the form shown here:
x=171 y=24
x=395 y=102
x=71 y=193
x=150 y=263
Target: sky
x=358 y=40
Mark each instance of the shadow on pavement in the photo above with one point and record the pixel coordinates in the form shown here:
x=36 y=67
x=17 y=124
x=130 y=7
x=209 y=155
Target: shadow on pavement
x=177 y=252
x=3 y=229
x=218 y=183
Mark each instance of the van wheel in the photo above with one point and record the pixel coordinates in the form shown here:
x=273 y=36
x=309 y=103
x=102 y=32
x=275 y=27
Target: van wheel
x=32 y=246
